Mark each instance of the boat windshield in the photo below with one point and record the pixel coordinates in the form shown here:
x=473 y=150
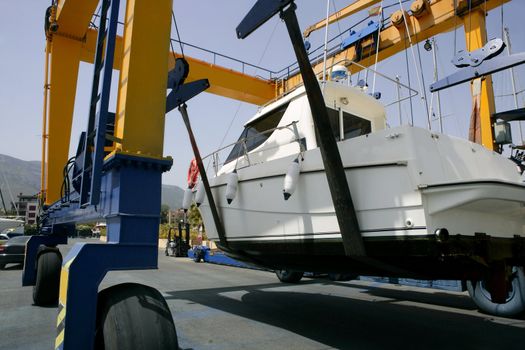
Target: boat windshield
x=352 y=126
x=255 y=133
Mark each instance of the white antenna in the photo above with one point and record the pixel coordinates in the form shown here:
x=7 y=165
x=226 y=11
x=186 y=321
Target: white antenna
x=436 y=77
x=326 y=40
x=513 y=79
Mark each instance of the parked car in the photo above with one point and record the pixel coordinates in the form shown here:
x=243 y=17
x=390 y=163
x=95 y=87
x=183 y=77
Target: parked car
x=13 y=251
x=8 y=235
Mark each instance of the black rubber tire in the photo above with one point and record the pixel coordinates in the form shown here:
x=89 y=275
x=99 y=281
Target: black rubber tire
x=515 y=303
x=134 y=316
x=287 y=276
x=47 y=286
x=2 y=266
x=341 y=277
x=198 y=255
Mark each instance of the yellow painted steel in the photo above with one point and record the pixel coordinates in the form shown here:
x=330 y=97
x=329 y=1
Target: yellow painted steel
x=476 y=37
x=224 y=81
x=73 y=17
x=65 y=59
x=441 y=17
x=43 y=168
x=229 y=83
x=349 y=10
x=141 y=103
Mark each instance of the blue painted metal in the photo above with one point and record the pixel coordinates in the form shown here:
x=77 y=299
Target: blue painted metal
x=131 y=188
x=355 y=37
x=220 y=258
x=102 y=113
x=98 y=110
x=29 y=273
x=88 y=264
x=261 y=12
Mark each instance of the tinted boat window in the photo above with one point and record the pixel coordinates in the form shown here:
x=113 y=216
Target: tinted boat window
x=353 y=126
x=254 y=132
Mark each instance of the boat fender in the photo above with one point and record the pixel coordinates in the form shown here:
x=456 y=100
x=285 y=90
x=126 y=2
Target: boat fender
x=291 y=179
x=199 y=195
x=186 y=200
x=231 y=186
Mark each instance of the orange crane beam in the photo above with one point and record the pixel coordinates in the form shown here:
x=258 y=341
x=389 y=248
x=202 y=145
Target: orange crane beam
x=437 y=17
x=349 y=10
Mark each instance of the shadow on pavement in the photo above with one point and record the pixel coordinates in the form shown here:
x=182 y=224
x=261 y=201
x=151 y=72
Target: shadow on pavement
x=345 y=322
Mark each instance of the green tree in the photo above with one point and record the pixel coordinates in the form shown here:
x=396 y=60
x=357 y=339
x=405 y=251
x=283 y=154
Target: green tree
x=164 y=213
x=194 y=217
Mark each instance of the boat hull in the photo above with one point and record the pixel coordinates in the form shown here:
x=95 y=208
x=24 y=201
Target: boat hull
x=408 y=185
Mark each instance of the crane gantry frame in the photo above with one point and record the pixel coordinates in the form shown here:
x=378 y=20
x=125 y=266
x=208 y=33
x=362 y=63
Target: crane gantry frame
x=74 y=42
x=135 y=161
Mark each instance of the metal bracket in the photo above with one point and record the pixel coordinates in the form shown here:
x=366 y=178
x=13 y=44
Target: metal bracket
x=488 y=66
x=261 y=12
x=180 y=92
x=465 y=58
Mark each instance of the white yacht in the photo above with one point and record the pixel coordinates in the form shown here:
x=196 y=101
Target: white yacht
x=429 y=205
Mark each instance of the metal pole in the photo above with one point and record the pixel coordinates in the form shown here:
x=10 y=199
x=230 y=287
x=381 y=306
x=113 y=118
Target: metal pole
x=326 y=40
x=3 y=202
x=513 y=79
x=436 y=78
x=399 y=100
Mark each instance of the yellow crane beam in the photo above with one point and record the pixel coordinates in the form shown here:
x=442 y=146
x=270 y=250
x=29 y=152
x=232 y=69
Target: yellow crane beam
x=349 y=10
x=73 y=17
x=438 y=17
x=223 y=81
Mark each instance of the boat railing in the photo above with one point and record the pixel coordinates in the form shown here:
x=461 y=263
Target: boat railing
x=214 y=157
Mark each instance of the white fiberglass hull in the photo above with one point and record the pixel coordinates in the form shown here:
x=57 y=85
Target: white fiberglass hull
x=405 y=183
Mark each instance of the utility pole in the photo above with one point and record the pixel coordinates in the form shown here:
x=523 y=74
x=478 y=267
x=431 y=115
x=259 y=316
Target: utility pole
x=512 y=78
x=3 y=202
x=436 y=78
x=399 y=100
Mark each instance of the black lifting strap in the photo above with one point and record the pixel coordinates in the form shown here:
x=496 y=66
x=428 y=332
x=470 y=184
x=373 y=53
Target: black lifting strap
x=216 y=219
x=262 y=11
x=180 y=93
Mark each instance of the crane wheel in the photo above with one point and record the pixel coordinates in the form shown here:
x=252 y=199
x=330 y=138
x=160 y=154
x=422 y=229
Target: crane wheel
x=341 y=277
x=288 y=276
x=514 y=303
x=134 y=316
x=48 y=266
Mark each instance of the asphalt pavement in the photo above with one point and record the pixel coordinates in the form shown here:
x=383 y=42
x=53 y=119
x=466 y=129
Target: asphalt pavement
x=218 y=307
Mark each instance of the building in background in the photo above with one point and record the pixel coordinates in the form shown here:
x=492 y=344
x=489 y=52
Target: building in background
x=27 y=208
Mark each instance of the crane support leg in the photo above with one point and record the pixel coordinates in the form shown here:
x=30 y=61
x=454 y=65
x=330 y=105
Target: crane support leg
x=482 y=92
x=83 y=270
x=65 y=59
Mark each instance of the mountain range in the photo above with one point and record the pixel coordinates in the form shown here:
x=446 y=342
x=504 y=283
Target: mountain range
x=20 y=176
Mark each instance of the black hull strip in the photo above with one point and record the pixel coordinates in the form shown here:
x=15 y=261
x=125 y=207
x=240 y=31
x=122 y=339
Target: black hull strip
x=423 y=257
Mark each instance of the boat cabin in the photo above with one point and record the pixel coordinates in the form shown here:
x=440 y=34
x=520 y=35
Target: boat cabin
x=283 y=126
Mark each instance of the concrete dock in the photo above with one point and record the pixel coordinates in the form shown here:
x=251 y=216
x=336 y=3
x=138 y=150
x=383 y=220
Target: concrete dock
x=218 y=307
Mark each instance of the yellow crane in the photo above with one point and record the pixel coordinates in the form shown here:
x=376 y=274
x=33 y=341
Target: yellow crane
x=134 y=161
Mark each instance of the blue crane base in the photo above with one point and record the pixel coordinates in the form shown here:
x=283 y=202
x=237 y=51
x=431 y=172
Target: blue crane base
x=130 y=202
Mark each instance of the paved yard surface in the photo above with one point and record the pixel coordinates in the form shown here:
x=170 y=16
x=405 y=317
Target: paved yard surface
x=217 y=307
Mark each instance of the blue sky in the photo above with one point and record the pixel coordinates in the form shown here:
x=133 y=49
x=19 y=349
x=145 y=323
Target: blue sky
x=211 y=24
